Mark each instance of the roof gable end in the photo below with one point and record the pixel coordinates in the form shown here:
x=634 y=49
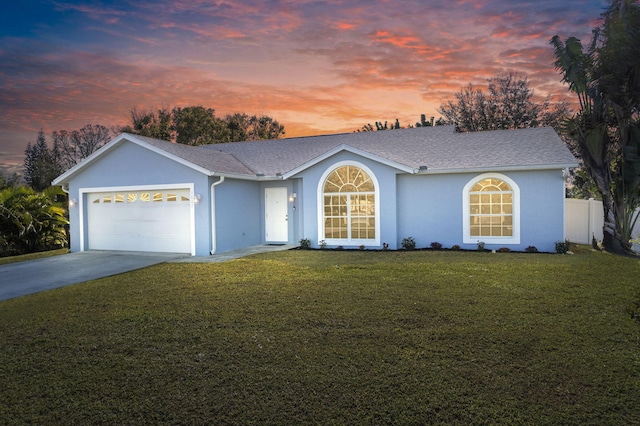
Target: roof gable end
x=119 y=140
x=353 y=150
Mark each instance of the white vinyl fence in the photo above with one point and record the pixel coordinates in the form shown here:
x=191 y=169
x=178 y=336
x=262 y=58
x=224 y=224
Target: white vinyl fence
x=584 y=220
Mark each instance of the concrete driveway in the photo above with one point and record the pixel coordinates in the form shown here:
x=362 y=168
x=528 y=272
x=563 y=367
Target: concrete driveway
x=33 y=276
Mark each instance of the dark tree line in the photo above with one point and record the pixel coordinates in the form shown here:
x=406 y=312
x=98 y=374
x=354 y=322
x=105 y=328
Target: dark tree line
x=379 y=125
x=193 y=125
x=43 y=164
x=508 y=103
x=198 y=125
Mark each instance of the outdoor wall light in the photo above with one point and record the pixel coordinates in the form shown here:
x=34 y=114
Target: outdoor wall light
x=72 y=202
x=196 y=198
x=293 y=197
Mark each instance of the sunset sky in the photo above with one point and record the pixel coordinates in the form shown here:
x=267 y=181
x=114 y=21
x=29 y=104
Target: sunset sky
x=316 y=66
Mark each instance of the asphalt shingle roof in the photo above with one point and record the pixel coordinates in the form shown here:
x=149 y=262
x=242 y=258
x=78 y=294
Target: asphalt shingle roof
x=438 y=148
x=221 y=162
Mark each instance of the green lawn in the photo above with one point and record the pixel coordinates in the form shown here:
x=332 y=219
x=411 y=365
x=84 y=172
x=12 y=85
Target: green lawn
x=326 y=337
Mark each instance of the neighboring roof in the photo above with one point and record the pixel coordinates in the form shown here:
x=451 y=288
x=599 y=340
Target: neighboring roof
x=436 y=149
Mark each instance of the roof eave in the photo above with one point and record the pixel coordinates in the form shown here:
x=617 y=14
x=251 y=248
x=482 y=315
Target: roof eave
x=512 y=168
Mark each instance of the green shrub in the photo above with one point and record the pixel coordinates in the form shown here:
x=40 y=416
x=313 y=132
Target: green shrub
x=409 y=243
x=32 y=221
x=436 y=245
x=455 y=247
x=323 y=245
x=531 y=249
x=305 y=244
x=563 y=247
x=480 y=245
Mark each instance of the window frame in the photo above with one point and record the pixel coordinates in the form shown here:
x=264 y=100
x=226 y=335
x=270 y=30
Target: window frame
x=515 y=213
x=321 y=207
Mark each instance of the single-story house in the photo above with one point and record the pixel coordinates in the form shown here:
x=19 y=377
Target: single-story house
x=371 y=189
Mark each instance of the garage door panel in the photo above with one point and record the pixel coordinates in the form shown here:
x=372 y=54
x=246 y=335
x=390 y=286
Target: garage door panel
x=133 y=221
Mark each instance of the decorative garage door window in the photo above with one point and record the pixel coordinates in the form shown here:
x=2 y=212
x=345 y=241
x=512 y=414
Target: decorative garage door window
x=139 y=197
x=349 y=205
x=491 y=209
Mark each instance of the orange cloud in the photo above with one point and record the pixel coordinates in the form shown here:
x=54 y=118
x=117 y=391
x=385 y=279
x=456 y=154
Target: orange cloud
x=318 y=67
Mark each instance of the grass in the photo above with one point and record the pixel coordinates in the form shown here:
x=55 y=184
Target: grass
x=32 y=256
x=321 y=337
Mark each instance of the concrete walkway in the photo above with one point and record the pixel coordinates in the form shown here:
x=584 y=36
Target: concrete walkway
x=234 y=254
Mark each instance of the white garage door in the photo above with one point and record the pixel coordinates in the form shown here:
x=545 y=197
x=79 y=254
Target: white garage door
x=153 y=220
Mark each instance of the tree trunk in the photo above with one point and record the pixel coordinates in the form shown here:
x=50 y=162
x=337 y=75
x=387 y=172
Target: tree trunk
x=613 y=240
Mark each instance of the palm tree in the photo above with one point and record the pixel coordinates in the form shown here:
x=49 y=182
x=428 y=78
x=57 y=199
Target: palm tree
x=606 y=130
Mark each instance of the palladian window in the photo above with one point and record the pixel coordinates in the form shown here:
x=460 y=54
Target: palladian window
x=491 y=209
x=349 y=200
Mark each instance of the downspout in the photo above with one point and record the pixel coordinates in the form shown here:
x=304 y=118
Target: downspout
x=213 y=214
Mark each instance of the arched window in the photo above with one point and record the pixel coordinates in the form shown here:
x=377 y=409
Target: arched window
x=491 y=210
x=349 y=205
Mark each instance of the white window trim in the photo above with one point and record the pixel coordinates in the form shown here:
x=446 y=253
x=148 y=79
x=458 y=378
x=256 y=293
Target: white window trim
x=320 y=192
x=83 y=192
x=466 y=213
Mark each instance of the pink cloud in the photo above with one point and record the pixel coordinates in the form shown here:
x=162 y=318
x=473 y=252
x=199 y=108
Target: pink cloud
x=318 y=67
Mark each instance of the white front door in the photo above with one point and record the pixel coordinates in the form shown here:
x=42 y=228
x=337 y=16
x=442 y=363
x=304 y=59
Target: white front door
x=276 y=215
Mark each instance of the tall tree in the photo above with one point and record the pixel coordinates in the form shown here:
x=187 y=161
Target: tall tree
x=508 y=104
x=263 y=127
x=197 y=125
x=9 y=181
x=606 y=130
x=72 y=147
x=41 y=164
x=154 y=124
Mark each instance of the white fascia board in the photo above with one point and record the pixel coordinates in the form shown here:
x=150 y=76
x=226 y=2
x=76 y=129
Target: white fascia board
x=348 y=148
x=117 y=141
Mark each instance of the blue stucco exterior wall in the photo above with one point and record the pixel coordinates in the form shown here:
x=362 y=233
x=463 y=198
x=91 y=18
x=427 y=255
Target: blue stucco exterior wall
x=430 y=209
x=238 y=215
